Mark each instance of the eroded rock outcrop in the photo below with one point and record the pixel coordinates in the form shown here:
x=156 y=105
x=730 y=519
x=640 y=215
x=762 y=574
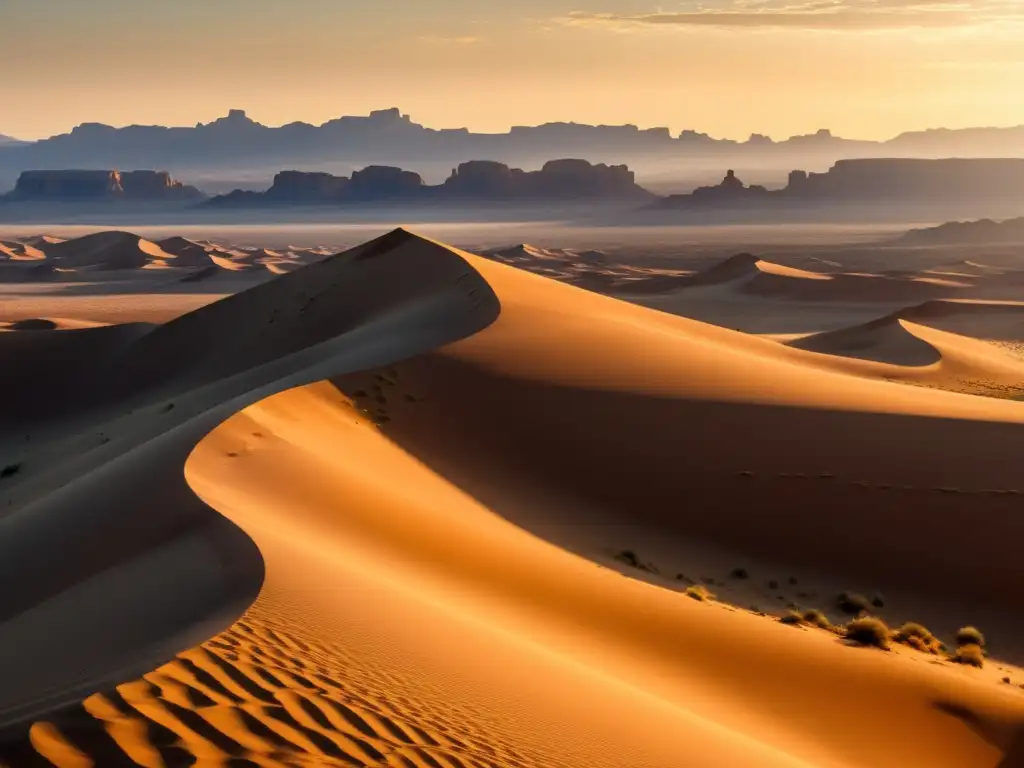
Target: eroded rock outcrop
x=882 y=181
x=80 y=185
x=476 y=180
x=556 y=180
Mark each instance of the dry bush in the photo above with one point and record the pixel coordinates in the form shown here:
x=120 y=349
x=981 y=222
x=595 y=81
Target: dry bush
x=699 y=592
x=792 y=617
x=969 y=654
x=816 y=618
x=868 y=631
x=918 y=637
x=970 y=636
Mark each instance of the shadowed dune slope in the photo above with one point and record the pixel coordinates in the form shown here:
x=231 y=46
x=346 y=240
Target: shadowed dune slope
x=428 y=523
x=105 y=250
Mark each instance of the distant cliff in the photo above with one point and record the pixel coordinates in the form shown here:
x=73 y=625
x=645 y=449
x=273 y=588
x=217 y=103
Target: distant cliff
x=871 y=181
x=71 y=185
x=235 y=142
x=557 y=179
x=476 y=180
x=982 y=232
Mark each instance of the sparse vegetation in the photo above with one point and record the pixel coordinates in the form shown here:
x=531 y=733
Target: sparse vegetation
x=811 y=617
x=918 y=637
x=699 y=592
x=877 y=601
x=970 y=654
x=773 y=585
x=739 y=573
x=970 y=636
x=868 y=631
x=10 y=470
x=853 y=604
x=816 y=618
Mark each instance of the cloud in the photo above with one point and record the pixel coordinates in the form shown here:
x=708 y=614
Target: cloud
x=842 y=15
x=462 y=40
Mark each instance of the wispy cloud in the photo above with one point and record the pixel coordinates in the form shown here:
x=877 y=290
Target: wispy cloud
x=461 y=40
x=852 y=15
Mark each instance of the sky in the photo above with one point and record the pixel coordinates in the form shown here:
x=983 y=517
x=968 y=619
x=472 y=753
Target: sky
x=862 y=68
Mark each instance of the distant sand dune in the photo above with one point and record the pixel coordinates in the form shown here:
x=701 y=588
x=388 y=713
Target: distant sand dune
x=749 y=275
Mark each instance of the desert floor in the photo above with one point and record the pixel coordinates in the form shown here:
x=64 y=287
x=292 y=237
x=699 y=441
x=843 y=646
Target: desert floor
x=267 y=501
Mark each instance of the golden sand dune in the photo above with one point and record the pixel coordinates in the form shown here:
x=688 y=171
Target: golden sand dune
x=18 y=251
x=431 y=535
x=106 y=250
x=49 y=259
x=937 y=343
x=748 y=275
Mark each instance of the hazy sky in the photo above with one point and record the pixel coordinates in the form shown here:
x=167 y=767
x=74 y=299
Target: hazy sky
x=864 y=68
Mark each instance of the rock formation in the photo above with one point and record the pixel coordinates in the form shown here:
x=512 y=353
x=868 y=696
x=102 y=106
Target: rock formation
x=300 y=187
x=100 y=185
x=476 y=180
x=384 y=182
x=882 y=181
x=155 y=185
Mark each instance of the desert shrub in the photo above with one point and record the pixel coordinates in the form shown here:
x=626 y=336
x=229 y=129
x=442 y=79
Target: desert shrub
x=10 y=470
x=816 y=618
x=878 y=601
x=773 y=585
x=852 y=603
x=739 y=573
x=971 y=655
x=970 y=636
x=811 y=617
x=699 y=592
x=868 y=631
x=912 y=629
x=918 y=637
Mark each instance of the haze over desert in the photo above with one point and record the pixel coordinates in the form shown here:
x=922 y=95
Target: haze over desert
x=650 y=394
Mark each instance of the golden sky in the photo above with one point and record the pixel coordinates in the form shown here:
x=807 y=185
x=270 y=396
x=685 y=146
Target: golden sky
x=863 y=68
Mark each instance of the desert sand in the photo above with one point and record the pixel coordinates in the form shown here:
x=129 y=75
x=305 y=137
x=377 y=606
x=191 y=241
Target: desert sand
x=371 y=510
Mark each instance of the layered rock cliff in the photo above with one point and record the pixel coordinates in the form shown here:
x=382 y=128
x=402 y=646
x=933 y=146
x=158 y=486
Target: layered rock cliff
x=476 y=180
x=80 y=185
x=882 y=181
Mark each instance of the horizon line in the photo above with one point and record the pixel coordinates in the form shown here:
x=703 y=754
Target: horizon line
x=675 y=135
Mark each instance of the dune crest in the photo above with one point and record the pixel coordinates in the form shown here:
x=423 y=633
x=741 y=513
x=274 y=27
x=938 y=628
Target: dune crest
x=190 y=572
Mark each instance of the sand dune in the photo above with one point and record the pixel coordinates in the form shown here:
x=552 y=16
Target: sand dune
x=106 y=250
x=17 y=251
x=165 y=379
x=46 y=258
x=749 y=275
x=424 y=545
x=948 y=344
